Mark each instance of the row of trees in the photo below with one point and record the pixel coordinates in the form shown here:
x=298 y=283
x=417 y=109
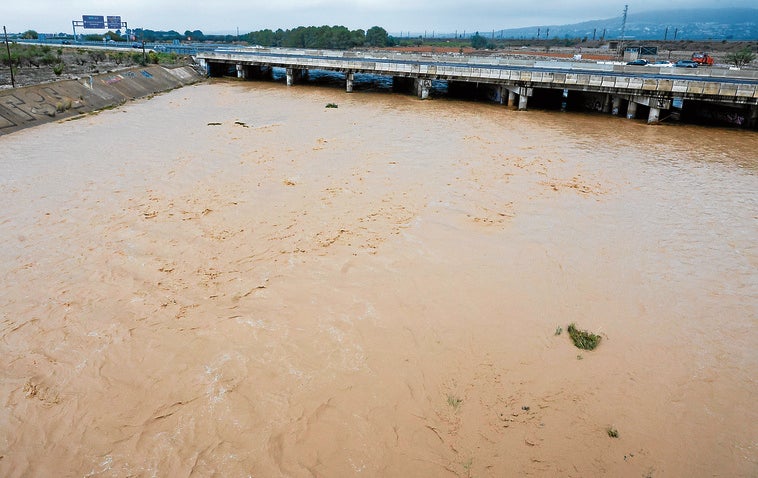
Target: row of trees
x=336 y=37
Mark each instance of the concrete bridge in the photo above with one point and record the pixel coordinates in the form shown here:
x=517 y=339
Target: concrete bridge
x=512 y=82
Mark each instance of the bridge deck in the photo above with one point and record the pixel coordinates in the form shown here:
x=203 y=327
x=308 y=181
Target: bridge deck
x=706 y=84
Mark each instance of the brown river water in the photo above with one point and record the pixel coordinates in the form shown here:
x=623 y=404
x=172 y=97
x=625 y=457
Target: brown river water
x=232 y=280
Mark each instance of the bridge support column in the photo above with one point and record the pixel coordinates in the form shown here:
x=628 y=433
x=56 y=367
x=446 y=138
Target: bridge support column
x=631 y=110
x=349 y=78
x=654 y=116
x=752 y=120
x=616 y=106
x=242 y=71
x=511 y=97
x=502 y=94
x=564 y=102
x=423 y=87
x=522 y=99
x=290 y=76
x=607 y=104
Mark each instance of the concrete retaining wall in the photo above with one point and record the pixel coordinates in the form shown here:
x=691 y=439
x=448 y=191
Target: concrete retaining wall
x=33 y=105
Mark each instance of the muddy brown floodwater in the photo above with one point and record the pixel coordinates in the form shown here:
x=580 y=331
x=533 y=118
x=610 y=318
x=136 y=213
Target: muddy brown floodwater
x=232 y=280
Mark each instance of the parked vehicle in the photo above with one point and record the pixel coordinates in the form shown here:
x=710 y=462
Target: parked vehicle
x=661 y=63
x=686 y=64
x=702 y=58
x=638 y=62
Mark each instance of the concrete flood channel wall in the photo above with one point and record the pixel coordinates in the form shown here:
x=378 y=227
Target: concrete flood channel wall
x=32 y=105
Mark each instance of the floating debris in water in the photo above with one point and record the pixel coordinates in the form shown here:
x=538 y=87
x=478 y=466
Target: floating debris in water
x=583 y=339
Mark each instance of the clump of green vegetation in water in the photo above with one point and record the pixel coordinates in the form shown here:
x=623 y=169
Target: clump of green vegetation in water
x=332 y=105
x=467 y=466
x=583 y=339
x=612 y=432
x=558 y=331
x=454 y=401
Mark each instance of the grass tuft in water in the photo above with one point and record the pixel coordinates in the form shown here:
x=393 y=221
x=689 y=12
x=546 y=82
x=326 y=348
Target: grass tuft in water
x=583 y=339
x=612 y=432
x=454 y=401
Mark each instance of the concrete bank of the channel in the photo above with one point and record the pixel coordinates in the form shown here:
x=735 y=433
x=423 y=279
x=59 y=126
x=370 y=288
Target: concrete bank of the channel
x=32 y=105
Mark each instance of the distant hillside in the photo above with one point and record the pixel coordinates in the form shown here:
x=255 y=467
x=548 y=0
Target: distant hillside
x=694 y=24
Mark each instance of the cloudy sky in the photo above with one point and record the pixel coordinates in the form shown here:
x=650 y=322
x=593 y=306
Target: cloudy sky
x=396 y=16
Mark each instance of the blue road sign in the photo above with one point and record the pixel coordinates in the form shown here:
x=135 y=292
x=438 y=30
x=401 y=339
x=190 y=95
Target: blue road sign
x=93 y=21
x=114 y=22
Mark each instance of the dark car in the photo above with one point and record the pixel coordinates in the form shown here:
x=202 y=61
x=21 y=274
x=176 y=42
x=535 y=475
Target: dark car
x=638 y=62
x=685 y=64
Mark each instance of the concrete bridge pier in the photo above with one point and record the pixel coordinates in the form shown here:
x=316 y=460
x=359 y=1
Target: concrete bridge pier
x=631 y=110
x=654 y=116
x=522 y=92
x=290 y=76
x=511 y=98
x=606 y=104
x=423 y=87
x=241 y=71
x=349 y=80
x=294 y=74
x=522 y=99
x=502 y=94
x=752 y=121
x=564 y=102
x=616 y=105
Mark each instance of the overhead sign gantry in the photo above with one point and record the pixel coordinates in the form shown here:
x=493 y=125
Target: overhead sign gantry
x=98 y=22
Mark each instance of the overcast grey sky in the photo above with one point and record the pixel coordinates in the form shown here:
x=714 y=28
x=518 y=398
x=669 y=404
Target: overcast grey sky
x=216 y=16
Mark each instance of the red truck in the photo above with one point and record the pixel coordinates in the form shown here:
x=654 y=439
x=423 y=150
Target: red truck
x=702 y=58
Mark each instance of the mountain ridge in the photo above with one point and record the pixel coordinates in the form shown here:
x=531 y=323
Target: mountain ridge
x=689 y=24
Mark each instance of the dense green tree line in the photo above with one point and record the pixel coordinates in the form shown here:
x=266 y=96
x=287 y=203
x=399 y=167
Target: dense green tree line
x=332 y=37
x=335 y=37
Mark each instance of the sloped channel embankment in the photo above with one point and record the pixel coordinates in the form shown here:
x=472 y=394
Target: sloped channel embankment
x=32 y=105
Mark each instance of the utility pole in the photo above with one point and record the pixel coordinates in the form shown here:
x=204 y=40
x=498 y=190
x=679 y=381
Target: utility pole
x=10 y=63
